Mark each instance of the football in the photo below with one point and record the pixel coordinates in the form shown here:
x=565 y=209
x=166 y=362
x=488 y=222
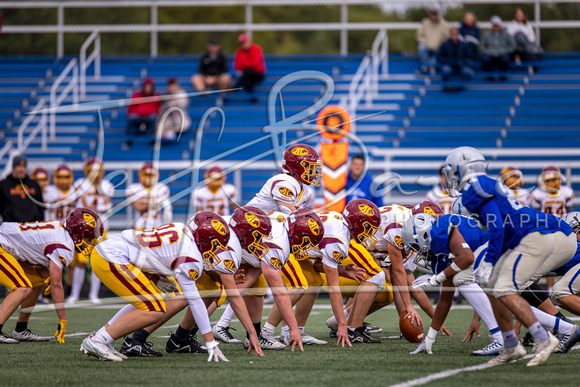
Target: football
x=413 y=333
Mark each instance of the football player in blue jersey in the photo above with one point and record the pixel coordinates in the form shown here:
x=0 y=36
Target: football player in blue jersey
x=524 y=244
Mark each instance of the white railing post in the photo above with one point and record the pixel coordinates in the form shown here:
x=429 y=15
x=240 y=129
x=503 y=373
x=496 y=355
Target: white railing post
x=71 y=86
x=84 y=62
x=385 y=54
x=249 y=19
x=60 y=33
x=537 y=18
x=344 y=30
x=154 y=35
x=41 y=126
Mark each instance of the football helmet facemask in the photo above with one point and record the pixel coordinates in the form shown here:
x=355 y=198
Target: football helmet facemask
x=461 y=165
x=251 y=225
x=85 y=228
x=211 y=235
x=148 y=175
x=363 y=219
x=41 y=176
x=416 y=233
x=303 y=163
x=63 y=177
x=305 y=231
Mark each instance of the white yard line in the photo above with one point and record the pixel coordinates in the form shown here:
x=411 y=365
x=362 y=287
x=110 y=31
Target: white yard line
x=455 y=371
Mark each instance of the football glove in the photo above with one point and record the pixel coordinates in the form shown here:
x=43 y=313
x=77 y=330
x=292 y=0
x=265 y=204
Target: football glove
x=47 y=290
x=166 y=285
x=425 y=281
x=215 y=354
x=60 y=331
x=483 y=273
x=427 y=344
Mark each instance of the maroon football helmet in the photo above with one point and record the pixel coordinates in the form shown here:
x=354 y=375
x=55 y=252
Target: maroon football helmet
x=251 y=225
x=305 y=231
x=63 y=177
x=211 y=235
x=363 y=219
x=41 y=176
x=85 y=228
x=428 y=207
x=303 y=163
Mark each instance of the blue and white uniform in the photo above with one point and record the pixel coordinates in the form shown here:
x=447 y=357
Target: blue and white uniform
x=569 y=284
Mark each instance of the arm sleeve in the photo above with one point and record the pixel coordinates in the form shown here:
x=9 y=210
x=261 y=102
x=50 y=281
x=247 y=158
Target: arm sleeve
x=196 y=305
x=490 y=211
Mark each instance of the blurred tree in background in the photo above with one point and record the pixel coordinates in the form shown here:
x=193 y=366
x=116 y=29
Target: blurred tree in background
x=280 y=42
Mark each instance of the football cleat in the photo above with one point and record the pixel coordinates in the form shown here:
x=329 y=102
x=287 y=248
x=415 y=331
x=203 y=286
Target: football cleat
x=5 y=339
x=359 y=335
x=27 y=335
x=527 y=340
x=71 y=300
x=137 y=348
x=568 y=340
x=190 y=345
x=95 y=300
x=543 y=349
x=371 y=328
x=306 y=339
x=93 y=346
x=266 y=343
x=333 y=334
x=492 y=349
x=332 y=324
x=508 y=355
x=223 y=334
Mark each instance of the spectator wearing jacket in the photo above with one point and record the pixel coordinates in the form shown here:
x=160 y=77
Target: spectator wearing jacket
x=213 y=68
x=143 y=110
x=453 y=57
x=433 y=31
x=15 y=205
x=526 y=43
x=365 y=189
x=496 y=47
x=470 y=33
x=249 y=64
x=174 y=123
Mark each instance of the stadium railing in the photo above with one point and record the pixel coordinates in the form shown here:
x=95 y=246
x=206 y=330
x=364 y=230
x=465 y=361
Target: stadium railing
x=57 y=97
x=84 y=62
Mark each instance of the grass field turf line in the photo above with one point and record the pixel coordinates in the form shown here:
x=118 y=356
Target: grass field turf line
x=50 y=364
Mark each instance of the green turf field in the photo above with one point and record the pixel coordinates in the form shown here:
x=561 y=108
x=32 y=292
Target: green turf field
x=51 y=364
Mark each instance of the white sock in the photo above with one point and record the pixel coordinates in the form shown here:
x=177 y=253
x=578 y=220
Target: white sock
x=77 y=283
x=95 y=286
x=126 y=309
x=301 y=329
x=227 y=317
x=285 y=330
x=104 y=336
x=480 y=303
x=552 y=322
x=269 y=328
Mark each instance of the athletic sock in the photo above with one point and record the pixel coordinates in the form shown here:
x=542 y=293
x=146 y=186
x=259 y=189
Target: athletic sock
x=285 y=330
x=257 y=327
x=538 y=332
x=480 y=303
x=552 y=322
x=1 y=326
x=104 y=336
x=562 y=317
x=181 y=334
x=77 y=283
x=301 y=330
x=194 y=331
x=269 y=328
x=21 y=326
x=140 y=335
x=510 y=340
x=95 y=286
x=227 y=317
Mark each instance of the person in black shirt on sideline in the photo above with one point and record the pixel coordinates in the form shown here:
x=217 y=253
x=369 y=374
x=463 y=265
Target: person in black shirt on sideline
x=15 y=206
x=213 y=68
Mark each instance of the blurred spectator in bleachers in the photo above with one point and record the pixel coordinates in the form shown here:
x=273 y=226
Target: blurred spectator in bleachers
x=433 y=31
x=363 y=189
x=453 y=56
x=174 y=123
x=496 y=47
x=527 y=48
x=15 y=206
x=249 y=64
x=142 y=111
x=470 y=32
x=213 y=68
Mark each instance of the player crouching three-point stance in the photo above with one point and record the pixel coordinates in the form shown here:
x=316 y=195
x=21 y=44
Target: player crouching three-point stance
x=30 y=253
x=121 y=263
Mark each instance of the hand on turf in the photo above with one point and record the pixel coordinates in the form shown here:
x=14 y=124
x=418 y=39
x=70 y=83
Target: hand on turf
x=444 y=331
x=255 y=344
x=60 y=331
x=296 y=339
x=353 y=272
x=473 y=330
x=425 y=281
x=483 y=273
x=423 y=348
x=342 y=334
x=215 y=354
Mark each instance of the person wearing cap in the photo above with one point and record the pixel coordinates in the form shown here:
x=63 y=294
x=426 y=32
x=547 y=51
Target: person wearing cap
x=174 y=123
x=496 y=47
x=15 y=205
x=433 y=31
x=142 y=111
x=249 y=64
x=213 y=68
x=453 y=56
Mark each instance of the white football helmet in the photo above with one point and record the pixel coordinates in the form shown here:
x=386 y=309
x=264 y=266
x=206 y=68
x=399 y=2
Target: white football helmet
x=461 y=165
x=573 y=219
x=416 y=233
